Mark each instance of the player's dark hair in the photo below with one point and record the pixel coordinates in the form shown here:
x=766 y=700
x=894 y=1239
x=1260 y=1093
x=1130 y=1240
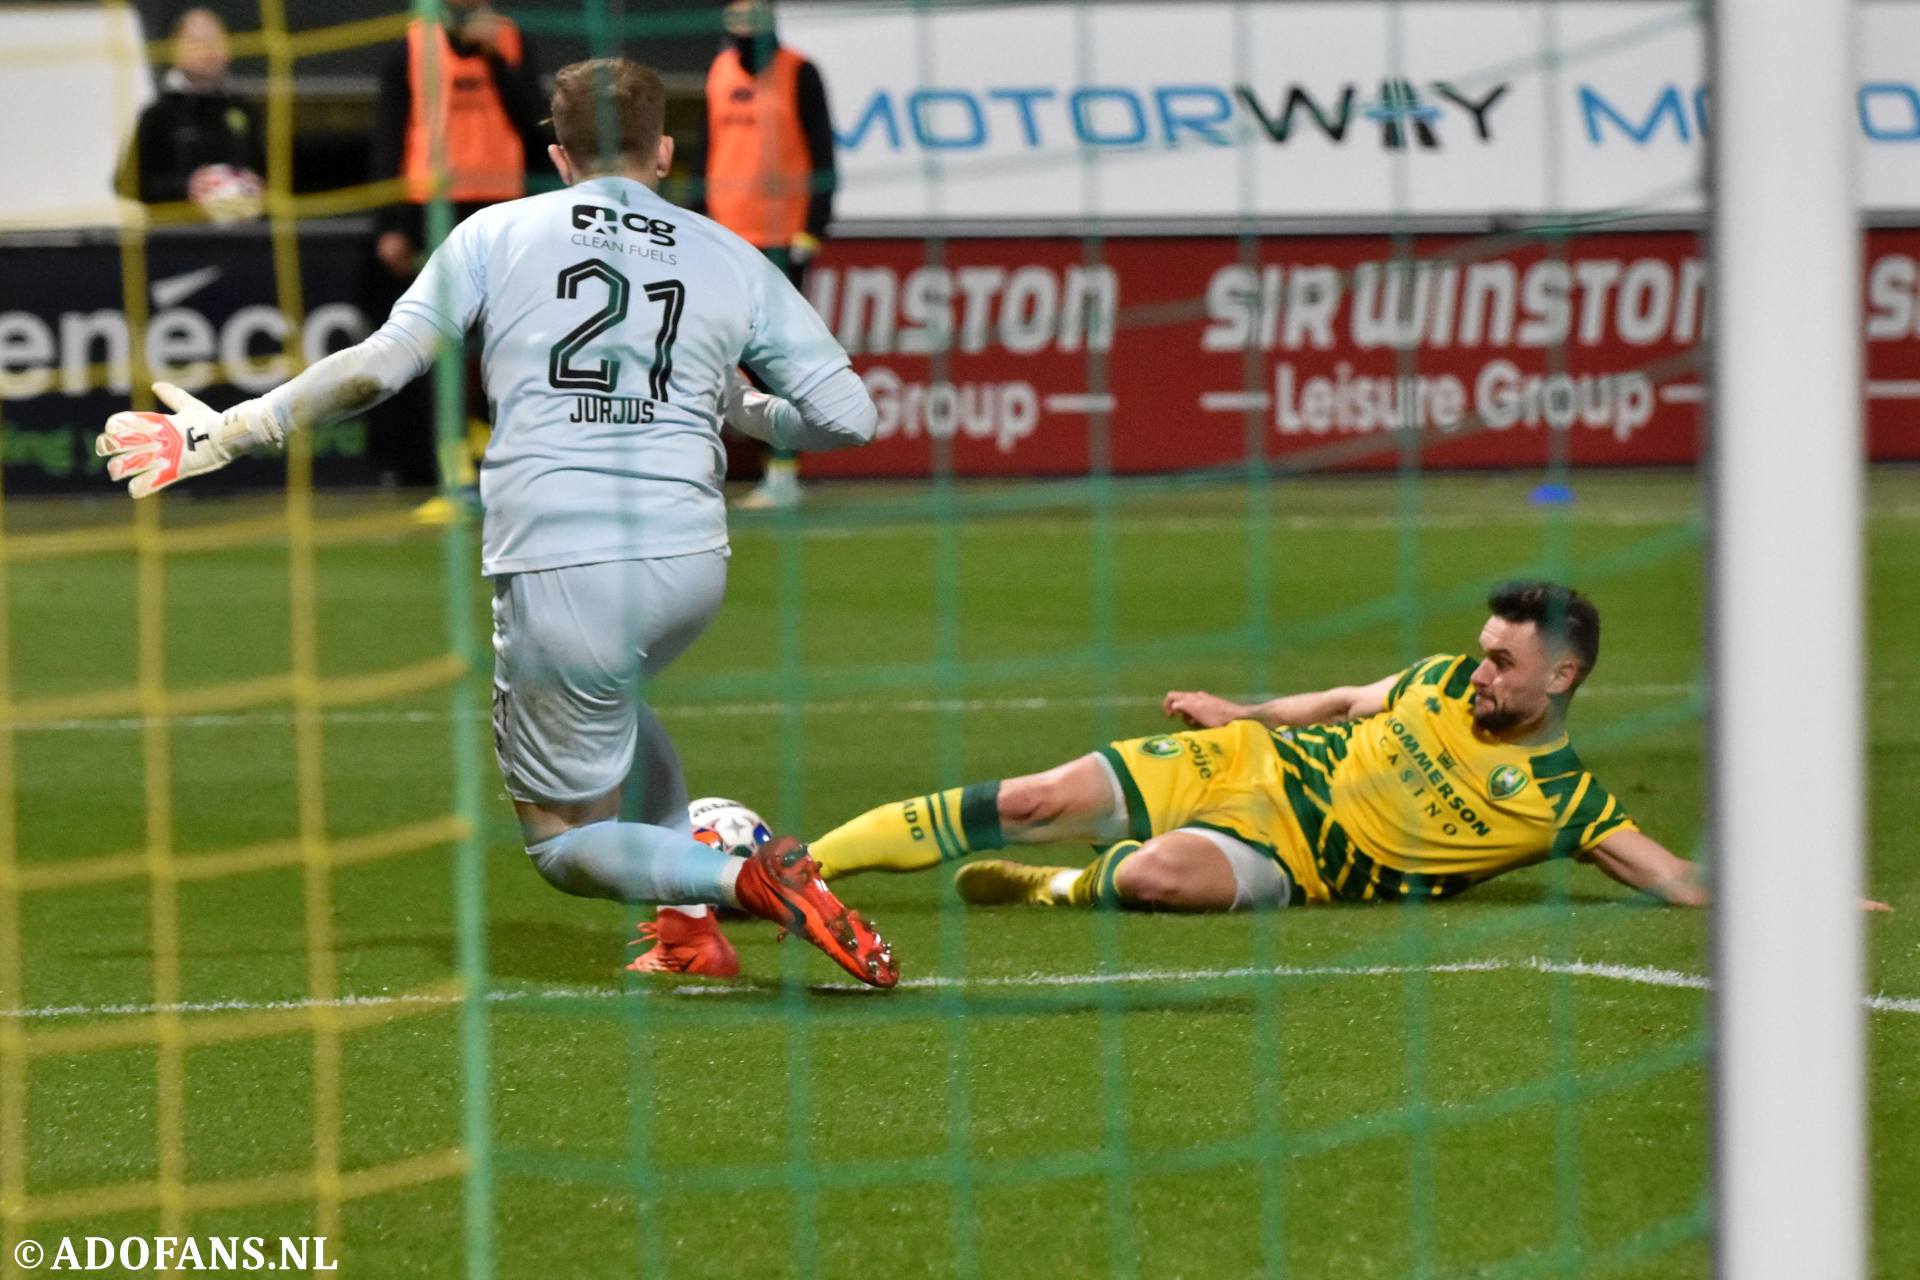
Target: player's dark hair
x=1564 y=616
x=608 y=109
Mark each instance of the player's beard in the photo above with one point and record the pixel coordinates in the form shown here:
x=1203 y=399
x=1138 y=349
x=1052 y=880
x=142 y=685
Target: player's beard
x=1495 y=719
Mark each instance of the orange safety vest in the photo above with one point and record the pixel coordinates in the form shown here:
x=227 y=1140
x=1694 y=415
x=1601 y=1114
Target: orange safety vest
x=480 y=149
x=759 y=173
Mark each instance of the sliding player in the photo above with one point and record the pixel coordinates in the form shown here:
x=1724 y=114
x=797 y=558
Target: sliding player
x=613 y=323
x=1418 y=785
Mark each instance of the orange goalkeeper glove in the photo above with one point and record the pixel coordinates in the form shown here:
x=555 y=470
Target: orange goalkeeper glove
x=154 y=450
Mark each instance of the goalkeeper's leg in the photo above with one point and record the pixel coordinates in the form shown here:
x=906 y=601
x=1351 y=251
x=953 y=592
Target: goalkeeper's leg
x=571 y=648
x=580 y=849
x=1078 y=802
x=684 y=937
x=596 y=856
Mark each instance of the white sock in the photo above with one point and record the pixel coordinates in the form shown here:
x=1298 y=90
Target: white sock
x=695 y=909
x=1061 y=886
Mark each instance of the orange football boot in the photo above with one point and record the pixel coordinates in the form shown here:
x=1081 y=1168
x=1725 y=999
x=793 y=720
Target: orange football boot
x=781 y=882
x=685 y=944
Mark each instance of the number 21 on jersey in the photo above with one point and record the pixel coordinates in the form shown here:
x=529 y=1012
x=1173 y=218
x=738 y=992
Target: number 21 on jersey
x=567 y=370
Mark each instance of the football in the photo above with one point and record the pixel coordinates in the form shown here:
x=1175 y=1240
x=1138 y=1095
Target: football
x=224 y=193
x=727 y=824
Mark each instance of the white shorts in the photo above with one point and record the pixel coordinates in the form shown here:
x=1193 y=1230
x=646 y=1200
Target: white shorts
x=572 y=649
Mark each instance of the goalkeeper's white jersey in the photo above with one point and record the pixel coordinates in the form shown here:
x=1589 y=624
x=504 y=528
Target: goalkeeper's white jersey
x=609 y=321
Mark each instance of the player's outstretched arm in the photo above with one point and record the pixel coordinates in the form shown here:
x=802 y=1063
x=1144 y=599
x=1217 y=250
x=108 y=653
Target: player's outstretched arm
x=1201 y=710
x=154 y=450
x=1641 y=862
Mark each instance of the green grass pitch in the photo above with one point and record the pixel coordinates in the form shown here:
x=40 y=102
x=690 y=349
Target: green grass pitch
x=1326 y=1094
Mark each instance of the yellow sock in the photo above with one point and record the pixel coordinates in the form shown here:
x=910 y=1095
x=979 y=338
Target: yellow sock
x=912 y=835
x=1095 y=887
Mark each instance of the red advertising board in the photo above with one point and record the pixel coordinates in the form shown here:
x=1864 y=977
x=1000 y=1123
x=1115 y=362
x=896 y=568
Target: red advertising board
x=1042 y=356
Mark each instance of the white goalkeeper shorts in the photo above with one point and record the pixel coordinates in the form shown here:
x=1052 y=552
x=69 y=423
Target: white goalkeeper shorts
x=573 y=648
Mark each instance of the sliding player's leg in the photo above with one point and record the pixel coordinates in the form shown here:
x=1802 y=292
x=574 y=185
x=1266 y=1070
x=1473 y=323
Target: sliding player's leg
x=1191 y=869
x=1079 y=801
x=570 y=646
x=1184 y=796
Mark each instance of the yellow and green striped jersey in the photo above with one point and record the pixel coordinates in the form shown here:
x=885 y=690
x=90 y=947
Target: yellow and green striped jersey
x=1414 y=801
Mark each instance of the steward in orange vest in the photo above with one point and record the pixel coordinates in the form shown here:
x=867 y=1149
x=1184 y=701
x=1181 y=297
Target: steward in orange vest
x=477 y=71
x=767 y=169
x=766 y=172
x=460 y=96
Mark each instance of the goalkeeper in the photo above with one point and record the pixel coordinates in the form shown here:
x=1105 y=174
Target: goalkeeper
x=1419 y=785
x=613 y=323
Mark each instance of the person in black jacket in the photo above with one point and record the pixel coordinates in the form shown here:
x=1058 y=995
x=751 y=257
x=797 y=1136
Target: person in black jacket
x=197 y=141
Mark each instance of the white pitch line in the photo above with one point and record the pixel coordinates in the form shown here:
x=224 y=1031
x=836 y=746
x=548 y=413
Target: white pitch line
x=1639 y=975
x=1521 y=516
x=726 y=710
x=1518 y=515
x=1635 y=975
x=717 y=710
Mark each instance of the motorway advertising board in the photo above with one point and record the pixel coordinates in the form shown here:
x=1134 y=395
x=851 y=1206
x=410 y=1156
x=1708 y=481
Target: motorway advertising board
x=1032 y=357
x=66 y=346
x=1430 y=107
